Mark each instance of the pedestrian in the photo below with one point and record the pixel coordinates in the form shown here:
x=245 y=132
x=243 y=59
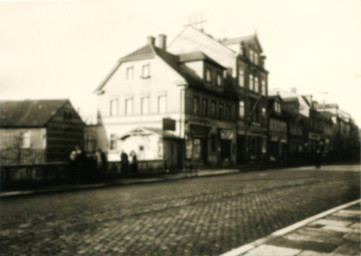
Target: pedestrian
x=134 y=163
x=124 y=163
x=75 y=162
x=318 y=159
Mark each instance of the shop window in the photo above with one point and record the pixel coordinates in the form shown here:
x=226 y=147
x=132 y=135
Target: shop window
x=264 y=146
x=197 y=150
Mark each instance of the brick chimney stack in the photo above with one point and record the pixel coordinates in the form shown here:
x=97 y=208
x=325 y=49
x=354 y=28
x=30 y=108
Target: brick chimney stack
x=162 y=42
x=151 y=40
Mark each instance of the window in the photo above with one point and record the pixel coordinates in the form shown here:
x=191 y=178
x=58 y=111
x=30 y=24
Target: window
x=251 y=82
x=277 y=107
x=241 y=108
x=228 y=112
x=263 y=89
x=256 y=85
x=25 y=140
x=204 y=107
x=146 y=71
x=213 y=142
x=113 y=107
x=251 y=55
x=264 y=112
x=128 y=107
x=89 y=143
x=213 y=108
x=241 y=78
x=208 y=75
x=162 y=104
x=130 y=71
x=144 y=105
x=113 y=142
x=220 y=111
x=255 y=58
x=219 y=79
x=195 y=105
x=264 y=146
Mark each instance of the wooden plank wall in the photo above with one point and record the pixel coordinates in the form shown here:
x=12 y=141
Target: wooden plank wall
x=64 y=132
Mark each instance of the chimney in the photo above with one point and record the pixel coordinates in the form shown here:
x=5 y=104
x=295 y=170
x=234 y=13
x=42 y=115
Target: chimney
x=294 y=89
x=151 y=40
x=162 y=42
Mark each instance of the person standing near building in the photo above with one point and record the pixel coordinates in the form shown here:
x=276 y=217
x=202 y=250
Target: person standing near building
x=124 y=163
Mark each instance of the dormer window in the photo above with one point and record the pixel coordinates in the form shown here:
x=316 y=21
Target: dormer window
x=277 y=107
x=255 y=58
x=251 y=55
x=146 y=71
x=219 y=79
x=208 y=75
x=240 y=49
x=130 y=71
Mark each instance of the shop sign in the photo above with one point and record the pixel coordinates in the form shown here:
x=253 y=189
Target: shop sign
x=226 y=134
x=313 y=136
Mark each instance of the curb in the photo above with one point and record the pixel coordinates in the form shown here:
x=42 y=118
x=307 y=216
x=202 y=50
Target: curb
x=281 y=232
x=14 y=194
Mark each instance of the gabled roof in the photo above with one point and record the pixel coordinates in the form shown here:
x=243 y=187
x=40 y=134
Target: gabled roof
x=28 y=113
x=150 y=51
x=252 y=39
x=196 y=56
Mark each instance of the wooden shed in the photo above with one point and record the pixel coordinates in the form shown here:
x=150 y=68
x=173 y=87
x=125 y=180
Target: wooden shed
x=38 y=131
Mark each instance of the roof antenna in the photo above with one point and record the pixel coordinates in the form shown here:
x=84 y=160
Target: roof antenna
x=196 y=19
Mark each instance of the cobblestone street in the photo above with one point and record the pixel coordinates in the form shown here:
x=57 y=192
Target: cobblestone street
x=198 y=216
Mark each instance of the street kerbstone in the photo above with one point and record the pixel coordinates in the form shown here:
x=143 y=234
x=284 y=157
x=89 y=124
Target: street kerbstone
x=337 y=223
x=271 y=250
x=312 y=253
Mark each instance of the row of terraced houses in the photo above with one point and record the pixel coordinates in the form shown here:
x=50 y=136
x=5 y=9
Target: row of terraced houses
x=207 y=100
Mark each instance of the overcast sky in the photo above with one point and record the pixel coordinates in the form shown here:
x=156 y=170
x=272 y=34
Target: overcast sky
x=64 y=49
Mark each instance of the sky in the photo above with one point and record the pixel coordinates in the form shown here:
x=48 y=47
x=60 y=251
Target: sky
x=65 y=49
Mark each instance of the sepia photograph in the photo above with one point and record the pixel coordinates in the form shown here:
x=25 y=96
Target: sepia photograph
x=180 y=128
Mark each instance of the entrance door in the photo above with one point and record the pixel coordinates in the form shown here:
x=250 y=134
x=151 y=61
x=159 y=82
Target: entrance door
x=225 y=150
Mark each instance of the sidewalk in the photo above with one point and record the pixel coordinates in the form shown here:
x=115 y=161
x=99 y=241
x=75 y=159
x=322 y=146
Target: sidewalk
x=116 y=182
x=334 y=232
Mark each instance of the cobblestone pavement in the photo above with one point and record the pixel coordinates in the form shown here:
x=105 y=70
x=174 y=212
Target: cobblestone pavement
x=203 y=216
